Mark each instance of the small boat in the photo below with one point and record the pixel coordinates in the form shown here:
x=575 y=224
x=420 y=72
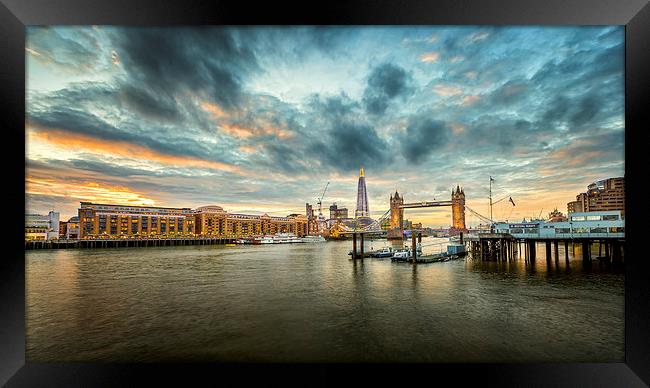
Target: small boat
x=402 y=255
x=456 y=249
x=383 y=252
x=313 y=239
x=231 y=245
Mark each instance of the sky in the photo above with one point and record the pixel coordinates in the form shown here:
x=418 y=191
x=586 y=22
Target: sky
x=259 y=119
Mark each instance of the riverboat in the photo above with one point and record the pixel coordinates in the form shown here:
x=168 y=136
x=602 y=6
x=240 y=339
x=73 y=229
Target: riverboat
x=313 y=239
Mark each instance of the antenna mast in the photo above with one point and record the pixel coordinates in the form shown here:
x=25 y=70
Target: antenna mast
x=491 y=198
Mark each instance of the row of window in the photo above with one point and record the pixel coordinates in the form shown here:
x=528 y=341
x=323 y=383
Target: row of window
x=607 y=217
x=612 y=229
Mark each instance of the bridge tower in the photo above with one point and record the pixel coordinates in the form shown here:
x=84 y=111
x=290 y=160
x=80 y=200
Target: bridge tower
x=396 y=216
x=457 y=211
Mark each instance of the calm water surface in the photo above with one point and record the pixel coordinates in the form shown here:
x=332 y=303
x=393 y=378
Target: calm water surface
x=309 y=302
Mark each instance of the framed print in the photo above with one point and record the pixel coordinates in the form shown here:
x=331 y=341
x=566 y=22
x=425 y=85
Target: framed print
x=385 y=190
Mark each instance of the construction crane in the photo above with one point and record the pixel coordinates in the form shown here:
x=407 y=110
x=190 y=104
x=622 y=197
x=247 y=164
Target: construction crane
x=319 y=201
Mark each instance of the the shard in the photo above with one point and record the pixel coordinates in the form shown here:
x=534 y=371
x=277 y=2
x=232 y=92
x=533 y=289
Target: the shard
x=362 y=197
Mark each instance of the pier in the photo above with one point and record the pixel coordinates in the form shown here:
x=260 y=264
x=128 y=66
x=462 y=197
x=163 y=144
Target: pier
x=125 y=242
x=506 y=247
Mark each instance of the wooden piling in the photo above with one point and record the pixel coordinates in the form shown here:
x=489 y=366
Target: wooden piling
x=566 y=252
x=361 y=236
x=415 y=251
x=354 y=246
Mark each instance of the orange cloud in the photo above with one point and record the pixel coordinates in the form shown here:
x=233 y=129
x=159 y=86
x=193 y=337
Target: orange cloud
x=214 y=109
x=446 y=90
x=469 y=100
x=72 y=142
x=430 y=57
x=86 y=191
x=574 y=157
x=244 y=132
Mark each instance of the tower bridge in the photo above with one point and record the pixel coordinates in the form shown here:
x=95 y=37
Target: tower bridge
x=363 y=223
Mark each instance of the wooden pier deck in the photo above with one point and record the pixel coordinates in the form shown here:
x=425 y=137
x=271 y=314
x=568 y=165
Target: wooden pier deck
x=123 y=243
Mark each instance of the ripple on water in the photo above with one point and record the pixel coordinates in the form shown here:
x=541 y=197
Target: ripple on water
x=308 y=302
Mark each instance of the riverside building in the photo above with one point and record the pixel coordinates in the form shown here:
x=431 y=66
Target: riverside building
x=41 y=227
x=604 y=195
x=103 y=220
x=214 y=221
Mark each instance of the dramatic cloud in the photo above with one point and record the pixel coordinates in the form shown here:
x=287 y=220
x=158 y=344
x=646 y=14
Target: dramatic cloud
x=424 y=135
x=164 y=61
x=385 y=83
x=260 y=118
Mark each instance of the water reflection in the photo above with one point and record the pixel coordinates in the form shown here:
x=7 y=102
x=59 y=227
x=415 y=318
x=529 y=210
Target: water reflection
x=309 y=302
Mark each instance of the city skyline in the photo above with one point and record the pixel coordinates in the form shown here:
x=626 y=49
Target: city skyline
x=259 y=119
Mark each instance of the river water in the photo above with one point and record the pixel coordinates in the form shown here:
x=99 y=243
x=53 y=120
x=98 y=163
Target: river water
x=310 y=303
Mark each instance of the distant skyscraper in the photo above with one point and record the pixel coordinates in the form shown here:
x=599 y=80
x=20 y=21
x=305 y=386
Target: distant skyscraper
x=362 y=197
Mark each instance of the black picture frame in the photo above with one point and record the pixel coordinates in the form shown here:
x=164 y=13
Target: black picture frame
x=16 y=14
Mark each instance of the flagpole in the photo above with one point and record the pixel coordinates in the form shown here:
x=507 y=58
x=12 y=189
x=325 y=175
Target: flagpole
x=491 y=201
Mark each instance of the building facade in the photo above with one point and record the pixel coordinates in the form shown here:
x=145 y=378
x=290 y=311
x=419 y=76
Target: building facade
x=110 y=221
x=72 y=228
x=312 y=221
x=604 y=195
x=556 y=216
x=41 y=227
x=598 y=224
x=214 y=221
x=338 y=213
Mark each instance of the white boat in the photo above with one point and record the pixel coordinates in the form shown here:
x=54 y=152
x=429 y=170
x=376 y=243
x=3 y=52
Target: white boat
x=313 y=239
x=282 y=238
x=263 y=240
x=402 y=254
x=286 y=238
x=383 y=252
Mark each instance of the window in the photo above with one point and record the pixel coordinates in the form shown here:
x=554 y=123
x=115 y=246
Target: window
x=617 y=229
x=516 y=230
x=580 y=230
x=578 y=218
x=599 y=230
x=612 y=217
x=594 y=218
x=562 y=230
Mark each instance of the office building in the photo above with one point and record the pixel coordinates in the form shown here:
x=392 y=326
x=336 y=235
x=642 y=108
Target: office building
x=41 y=227
x=216 y=222
x=103 y=220
x=604 y=195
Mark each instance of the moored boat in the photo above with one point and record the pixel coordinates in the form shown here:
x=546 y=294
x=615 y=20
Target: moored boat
x=282 y=238
x=383 y=252
x=313 y=239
